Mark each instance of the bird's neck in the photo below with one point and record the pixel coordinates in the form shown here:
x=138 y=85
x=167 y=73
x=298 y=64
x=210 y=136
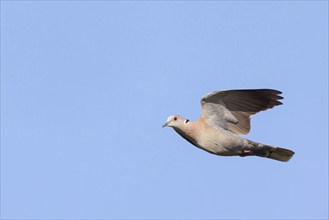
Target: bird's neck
x=187 y=134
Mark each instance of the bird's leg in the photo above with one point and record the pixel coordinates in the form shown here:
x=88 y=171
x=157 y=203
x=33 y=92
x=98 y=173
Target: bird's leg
x=245 y=152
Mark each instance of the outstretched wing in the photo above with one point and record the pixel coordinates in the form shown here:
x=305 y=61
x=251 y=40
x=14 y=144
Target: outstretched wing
x=231 y=109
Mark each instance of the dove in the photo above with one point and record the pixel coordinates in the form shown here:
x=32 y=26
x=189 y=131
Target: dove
x=225 y=115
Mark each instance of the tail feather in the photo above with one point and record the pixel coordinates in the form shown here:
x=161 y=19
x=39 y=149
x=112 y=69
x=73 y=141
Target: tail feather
x=280 y=154
x=275 y=153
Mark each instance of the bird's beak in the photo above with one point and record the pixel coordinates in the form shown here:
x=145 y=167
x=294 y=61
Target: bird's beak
x=165 y=124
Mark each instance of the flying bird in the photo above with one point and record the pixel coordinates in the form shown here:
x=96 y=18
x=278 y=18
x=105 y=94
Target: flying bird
x=224 y=116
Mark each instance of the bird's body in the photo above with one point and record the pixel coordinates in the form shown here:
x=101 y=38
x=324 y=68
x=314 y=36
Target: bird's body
x=214 y=140
x=225 y=114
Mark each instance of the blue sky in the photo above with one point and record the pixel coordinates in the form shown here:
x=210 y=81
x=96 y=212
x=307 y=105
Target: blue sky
x=86 y=86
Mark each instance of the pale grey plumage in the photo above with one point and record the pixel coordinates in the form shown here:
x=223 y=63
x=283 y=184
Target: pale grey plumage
x=224 y=115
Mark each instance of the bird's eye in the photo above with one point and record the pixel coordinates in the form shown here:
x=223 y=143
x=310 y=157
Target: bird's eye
x=175 y=118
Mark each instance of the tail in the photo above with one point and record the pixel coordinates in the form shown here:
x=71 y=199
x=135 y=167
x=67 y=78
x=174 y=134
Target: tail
x=281 y=154
x=275 y=153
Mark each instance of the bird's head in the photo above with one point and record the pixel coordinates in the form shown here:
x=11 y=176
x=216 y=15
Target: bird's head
x=175 y=121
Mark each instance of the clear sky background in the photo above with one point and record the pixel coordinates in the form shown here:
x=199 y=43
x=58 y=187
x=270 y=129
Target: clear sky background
x=86 y=86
